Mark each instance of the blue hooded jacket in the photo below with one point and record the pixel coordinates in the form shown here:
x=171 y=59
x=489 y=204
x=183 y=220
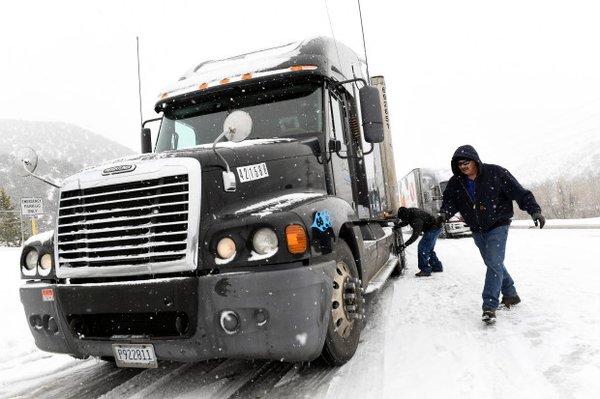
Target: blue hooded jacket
x=495 y=190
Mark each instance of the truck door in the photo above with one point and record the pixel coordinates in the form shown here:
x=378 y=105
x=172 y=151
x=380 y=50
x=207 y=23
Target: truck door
x=339 y=162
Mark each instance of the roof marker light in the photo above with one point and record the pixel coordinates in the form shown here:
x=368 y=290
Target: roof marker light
x=245 y=76
x=297 y=68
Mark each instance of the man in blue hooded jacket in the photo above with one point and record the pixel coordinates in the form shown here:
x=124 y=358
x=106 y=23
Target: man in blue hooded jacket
x=483 y=194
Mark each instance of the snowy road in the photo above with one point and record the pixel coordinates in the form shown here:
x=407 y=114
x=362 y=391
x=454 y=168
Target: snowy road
x=424 y=338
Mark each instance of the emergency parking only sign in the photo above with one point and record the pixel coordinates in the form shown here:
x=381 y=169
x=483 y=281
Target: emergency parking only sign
x=32 y=206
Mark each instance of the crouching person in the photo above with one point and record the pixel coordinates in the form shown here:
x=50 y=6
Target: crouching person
x=422 y=222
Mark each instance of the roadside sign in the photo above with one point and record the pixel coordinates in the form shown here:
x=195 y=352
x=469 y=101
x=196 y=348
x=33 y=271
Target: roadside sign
x=32 y=206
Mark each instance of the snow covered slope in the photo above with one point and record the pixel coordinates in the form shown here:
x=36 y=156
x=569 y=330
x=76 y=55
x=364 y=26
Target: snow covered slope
x=569 y=147
x=62 y=149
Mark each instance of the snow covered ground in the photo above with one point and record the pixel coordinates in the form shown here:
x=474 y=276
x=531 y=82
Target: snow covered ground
x=424 y=338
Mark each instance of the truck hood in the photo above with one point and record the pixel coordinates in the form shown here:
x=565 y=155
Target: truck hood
x=237 y=154
x=291 y=165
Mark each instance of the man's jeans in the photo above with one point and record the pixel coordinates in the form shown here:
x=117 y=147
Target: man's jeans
x=492 y=246
x=427 y=259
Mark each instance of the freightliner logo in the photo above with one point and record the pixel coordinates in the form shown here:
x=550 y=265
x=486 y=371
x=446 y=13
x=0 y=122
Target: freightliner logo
x=113 y=170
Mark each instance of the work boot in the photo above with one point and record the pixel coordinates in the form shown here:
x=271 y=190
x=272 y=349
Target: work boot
x=489 y=316
x=509 y=301
x=437 y=270
x=422 y=274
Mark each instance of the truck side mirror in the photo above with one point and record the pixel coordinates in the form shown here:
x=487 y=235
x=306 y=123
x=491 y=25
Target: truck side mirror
x=28 y=160
x=146 y=140
x=372 y=117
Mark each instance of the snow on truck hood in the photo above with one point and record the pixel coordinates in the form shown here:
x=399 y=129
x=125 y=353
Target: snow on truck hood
x=40 y=238
x=181 y=153
x=267 y=207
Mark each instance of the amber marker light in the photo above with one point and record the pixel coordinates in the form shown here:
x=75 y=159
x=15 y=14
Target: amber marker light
x=297 y=241
x=203 y=86
x=246 y=76
x=224 y=81
x=297 y=68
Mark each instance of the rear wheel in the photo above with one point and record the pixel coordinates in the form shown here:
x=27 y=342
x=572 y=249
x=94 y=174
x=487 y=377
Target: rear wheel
x=347 y=309
x=401 y=265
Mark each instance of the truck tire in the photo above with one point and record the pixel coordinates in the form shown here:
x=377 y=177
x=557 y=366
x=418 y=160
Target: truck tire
x=401 y=266
x=347 y=309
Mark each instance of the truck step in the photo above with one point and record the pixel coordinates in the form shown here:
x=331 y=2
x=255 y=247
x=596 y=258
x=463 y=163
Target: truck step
x=383 y=274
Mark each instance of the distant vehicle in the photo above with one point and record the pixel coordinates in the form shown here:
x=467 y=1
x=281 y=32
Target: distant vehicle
x=423 y=188
x=251 y=231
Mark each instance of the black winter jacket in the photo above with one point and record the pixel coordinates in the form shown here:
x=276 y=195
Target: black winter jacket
x=495 y=189
x=419 y=221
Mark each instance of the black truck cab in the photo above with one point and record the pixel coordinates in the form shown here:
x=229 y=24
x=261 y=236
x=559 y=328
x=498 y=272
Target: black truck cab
x=215 y=245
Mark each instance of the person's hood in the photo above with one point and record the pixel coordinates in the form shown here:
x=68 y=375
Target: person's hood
x=465 y=151
x=403 y=213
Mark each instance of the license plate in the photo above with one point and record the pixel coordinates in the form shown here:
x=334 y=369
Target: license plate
x=252 y=172
x=135 y=355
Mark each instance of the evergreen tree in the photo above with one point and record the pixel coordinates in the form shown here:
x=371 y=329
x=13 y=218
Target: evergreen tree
x=10 y=229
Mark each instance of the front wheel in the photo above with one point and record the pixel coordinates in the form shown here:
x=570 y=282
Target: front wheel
x=347 y=309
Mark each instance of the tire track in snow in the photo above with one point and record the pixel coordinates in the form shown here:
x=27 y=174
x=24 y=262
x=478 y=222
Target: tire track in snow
x=148 y=380
x=93 y=387
x=263 y=380
x=44 y=372
x=214 y=379
x=81 y=380
x=304 y=380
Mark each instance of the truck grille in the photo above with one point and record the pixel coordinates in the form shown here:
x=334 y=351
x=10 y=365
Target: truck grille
x=132 y=223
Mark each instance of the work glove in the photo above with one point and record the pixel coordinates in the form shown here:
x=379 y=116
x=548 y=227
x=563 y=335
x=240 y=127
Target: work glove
x=538 y=217
x=442 y=218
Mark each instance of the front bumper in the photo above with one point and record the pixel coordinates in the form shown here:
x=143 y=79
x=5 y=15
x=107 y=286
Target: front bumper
x=294 y=301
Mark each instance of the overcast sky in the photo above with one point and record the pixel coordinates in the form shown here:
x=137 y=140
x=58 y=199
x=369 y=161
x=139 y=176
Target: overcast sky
x=495 y=74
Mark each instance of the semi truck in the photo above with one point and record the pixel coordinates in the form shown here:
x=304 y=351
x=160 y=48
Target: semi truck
x=423 y=188
x=253 y=227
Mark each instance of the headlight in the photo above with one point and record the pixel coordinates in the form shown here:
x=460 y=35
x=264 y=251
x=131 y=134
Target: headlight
x=264 y=241
x=31 y=259
x=45 y=264
x=226 y=248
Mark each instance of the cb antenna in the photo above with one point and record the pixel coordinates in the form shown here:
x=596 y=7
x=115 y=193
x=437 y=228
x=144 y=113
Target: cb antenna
x=137 y=39
x=362 y=28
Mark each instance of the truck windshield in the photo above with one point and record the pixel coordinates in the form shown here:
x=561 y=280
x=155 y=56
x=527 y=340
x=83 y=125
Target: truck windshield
x=289 y=111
